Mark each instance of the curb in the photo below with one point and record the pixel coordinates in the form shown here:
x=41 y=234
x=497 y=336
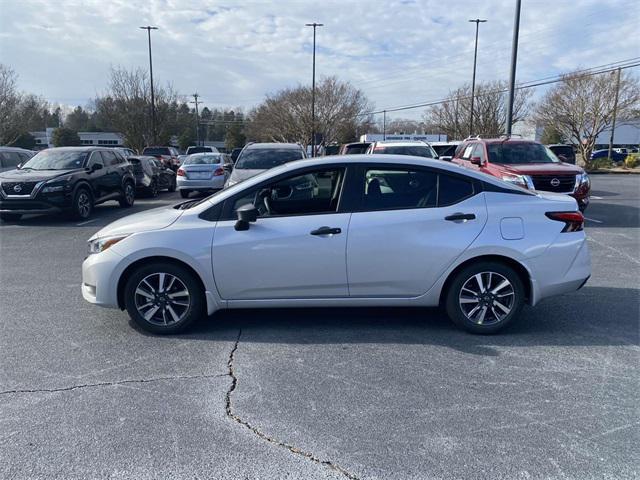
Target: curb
x=614 y=172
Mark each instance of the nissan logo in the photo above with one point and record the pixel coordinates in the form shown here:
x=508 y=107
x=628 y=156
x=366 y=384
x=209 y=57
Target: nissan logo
x=555 y=182
x=17 y=188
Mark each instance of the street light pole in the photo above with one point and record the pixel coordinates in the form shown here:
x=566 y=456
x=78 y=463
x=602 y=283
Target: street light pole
x=514 y=60
x=148 y=28
x=477 y=21
x=195 y=97
x=313 y=89
x=384 y=125
x=615 y=113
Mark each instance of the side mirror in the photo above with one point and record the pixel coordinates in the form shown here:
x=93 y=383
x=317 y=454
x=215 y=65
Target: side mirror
x=476 y=160
x=246 y=214
x=445 y=158
x=96 y=166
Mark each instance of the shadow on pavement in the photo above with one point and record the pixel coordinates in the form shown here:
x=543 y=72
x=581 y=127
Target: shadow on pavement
x=594 y=316
x=614 y=215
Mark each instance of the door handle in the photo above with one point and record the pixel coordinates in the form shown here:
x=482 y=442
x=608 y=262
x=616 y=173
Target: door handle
x=326 y=231
x=456 y=217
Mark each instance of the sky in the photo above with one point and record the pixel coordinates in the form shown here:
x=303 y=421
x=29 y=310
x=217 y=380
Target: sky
x=233 y=53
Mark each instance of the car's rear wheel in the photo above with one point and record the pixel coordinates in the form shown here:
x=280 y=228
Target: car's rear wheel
x=128 y=195
x=172 y=185
x=10 y=217
x=82 y=204
x=185 y=193
x=485 y=297
x=164 y=298
x=153 y=189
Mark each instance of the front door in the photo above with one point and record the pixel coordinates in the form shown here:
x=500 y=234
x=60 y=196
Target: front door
x=410 y=230
x=295 y=249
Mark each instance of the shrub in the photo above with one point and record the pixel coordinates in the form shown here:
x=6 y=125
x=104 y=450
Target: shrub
x=632 y=160
x=601 y=163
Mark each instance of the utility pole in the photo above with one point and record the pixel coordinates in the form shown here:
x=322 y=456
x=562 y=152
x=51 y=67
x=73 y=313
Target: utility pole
x=313 y=89
x=477 y=21
x=615 y=112
x=455 y=121
x=148 y=28
x=384 y=125
x=514 y=61
x=195 y=98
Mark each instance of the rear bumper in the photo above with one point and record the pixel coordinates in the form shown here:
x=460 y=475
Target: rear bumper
x=216 y=183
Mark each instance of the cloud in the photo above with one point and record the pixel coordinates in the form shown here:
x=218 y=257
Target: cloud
x=233 y=53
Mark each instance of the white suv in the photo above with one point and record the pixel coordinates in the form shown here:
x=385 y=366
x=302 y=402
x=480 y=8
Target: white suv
x=416 y=148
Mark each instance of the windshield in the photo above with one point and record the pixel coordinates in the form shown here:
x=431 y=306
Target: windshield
x=156 y=151
x=520 y=153
x=417 y=151
x=203 y=159
x=57 y=160
x=356 y=148
x=265 y=158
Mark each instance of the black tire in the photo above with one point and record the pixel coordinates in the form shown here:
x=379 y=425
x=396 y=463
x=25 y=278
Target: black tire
x=128 y=195
x=82 y=204
x=153 y=189
x=10 y=217
x=492 y=274
x=195 y=299
x=184 y=193
x=172 y=185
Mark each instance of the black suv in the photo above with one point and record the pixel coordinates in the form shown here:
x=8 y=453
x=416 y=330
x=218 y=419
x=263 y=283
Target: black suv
x=71 y=179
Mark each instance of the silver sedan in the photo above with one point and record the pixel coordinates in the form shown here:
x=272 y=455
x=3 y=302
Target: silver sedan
x=202 y=172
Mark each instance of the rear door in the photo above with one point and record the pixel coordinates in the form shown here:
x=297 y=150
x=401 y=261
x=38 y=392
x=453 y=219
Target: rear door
x=412 y=225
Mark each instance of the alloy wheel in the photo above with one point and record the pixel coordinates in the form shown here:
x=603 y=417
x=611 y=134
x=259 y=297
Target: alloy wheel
x=129 y=193
x=162 y=299
x=487 y=298
x=83 y=204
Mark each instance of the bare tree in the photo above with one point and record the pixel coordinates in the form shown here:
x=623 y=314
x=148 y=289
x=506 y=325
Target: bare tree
x=581 y=107
x=489 y=113
x=127 y=107
x=286 y=115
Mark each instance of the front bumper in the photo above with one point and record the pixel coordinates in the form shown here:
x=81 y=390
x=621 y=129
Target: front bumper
x=53 y=203
x=99 y=272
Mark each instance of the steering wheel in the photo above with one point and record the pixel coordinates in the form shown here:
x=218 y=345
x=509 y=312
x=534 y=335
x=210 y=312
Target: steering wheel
x=261 y=202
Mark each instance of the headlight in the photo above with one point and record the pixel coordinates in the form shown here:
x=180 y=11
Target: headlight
x=523 y=181
x=583 y=180
x=101 y=244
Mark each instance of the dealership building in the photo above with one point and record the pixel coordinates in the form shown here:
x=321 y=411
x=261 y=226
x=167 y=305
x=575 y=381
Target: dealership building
x=103 y=139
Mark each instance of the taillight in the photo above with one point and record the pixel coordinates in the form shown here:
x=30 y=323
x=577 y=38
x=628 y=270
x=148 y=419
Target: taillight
x=573 y=221
x=218 y=172
x=181 y=173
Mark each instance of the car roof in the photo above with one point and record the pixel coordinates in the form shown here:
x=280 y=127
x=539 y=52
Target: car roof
x=400 y=143
x=78 y=149
x=560 y=145
x=273 y=145
x=15 y=149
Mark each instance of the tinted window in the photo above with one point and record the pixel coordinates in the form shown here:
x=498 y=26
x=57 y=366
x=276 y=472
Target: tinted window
x=399 y=188
x=314 y=192
x=95 y=158
x=156 y=151
x=110 y=158
x=10 y=159
x=57 y=160
x=356 y=148
x=192 y=150
x=415 y=150
x=478 y=152
x=519 y=153
x=445 y=150
x=453 y=190
x=265 y=158
x=203 y=159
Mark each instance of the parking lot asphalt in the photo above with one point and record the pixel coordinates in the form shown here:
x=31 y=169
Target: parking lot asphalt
x=318 y=393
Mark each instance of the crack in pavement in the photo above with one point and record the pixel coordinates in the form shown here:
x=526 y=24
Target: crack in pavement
x=264 y=436
x=108 y=384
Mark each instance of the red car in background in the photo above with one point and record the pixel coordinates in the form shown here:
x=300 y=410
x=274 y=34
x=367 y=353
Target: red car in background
x=168 y=156
x=525 y=163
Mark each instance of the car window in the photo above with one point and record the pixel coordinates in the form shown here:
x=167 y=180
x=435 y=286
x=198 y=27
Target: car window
x=24 y=156
x=468 y=149
x=453 y=190
x=310 y=193
x=266 y=158
x=109 y=158
x=10 y=159
x=415 y=150
x=95 y=158
x=200 y=159
x=356 y=149
x=399 y=188
x=478 y=151
x=520 y=153
x=156 y=151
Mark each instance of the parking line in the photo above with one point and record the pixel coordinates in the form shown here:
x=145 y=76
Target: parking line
x=593 y=220
x=85 y=223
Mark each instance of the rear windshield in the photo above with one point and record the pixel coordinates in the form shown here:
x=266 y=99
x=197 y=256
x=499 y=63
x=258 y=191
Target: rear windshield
x=203 y=159
x=520 y=153
x=445 y=150
x=192 y=150
x=356 y=149
x=415 y=150
x=156 y=151
x=265 y=158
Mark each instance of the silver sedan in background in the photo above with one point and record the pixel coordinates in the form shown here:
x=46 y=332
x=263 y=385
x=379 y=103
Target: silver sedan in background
x=202 y=172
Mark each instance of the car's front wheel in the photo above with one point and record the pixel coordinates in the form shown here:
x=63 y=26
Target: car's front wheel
x=172 y=185
x=82 y=204
x=128 y=195
x=485 y=297
x=164 y=298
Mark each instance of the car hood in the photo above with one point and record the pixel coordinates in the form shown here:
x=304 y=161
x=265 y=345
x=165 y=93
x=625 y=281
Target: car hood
x=542 y=169
x=155 y=219
x=240 y=174
x=34 y=175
